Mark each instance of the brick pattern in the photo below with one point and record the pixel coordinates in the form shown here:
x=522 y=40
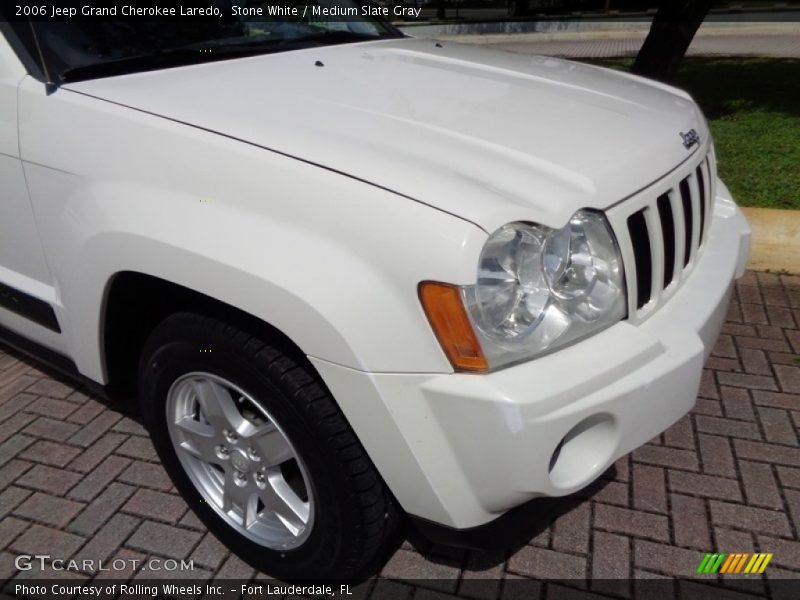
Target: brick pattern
x=80 y=479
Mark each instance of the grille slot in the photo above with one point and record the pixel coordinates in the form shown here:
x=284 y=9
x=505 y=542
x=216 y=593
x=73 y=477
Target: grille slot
x=668 y=235
x=701 y=186
x=640 y=237
x=688 y=217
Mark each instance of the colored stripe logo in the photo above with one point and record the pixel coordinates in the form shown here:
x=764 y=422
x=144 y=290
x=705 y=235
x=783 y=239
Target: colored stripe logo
x=740 y=562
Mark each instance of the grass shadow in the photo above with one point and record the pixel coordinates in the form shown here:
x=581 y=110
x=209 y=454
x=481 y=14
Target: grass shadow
x=725 y=86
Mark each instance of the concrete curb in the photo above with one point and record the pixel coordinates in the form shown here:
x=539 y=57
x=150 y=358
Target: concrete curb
x=587 y=26
x=776 y=239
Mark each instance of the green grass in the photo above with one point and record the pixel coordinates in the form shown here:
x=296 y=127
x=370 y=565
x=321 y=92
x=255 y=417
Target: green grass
x=753 y=107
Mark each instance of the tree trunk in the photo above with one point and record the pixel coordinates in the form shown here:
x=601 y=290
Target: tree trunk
x=517 y=8
x=671 y=33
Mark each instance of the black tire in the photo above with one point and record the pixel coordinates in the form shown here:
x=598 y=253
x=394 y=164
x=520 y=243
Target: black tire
x=355 y=515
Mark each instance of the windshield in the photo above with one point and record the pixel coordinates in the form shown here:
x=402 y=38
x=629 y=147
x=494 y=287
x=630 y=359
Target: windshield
x=95 y=47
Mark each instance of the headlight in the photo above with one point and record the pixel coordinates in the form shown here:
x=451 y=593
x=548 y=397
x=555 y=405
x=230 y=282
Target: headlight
x=539 y=289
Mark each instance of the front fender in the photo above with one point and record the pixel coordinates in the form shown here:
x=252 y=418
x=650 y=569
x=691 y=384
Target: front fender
x=331 y=261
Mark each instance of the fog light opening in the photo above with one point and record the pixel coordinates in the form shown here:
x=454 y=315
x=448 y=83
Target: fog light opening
x=583 y=452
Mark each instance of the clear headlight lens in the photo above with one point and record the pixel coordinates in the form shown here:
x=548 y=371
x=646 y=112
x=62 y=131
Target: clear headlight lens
x=540 y=289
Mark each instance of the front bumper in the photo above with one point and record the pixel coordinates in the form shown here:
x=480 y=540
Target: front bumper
x=460 y=449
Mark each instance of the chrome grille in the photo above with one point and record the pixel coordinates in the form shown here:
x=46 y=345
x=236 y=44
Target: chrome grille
x=661 y=232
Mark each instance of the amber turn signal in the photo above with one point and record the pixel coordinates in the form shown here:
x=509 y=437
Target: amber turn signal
x=445 y=310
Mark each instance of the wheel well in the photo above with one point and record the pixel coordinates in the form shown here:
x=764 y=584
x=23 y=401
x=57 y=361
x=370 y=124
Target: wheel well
x=137 y=303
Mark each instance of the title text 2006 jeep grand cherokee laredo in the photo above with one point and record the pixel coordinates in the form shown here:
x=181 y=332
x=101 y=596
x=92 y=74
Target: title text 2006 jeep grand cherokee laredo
x=353 y=275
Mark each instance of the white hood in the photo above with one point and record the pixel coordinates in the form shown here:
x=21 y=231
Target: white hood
x=487 y=135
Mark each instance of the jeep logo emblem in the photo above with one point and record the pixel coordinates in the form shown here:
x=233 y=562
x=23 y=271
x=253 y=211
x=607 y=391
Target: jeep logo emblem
x=690 y=138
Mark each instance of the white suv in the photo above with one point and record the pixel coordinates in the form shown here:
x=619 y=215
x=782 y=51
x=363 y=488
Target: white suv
x=352 y=275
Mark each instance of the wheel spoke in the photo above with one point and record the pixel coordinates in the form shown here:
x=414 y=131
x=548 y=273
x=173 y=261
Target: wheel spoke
x=280 y=499
x=251 y=510
x=200 y=440
x=272 y=447
x=217 y=405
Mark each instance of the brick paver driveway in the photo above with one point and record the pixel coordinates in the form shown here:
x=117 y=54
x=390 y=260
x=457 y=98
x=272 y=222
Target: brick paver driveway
x=79 y=478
